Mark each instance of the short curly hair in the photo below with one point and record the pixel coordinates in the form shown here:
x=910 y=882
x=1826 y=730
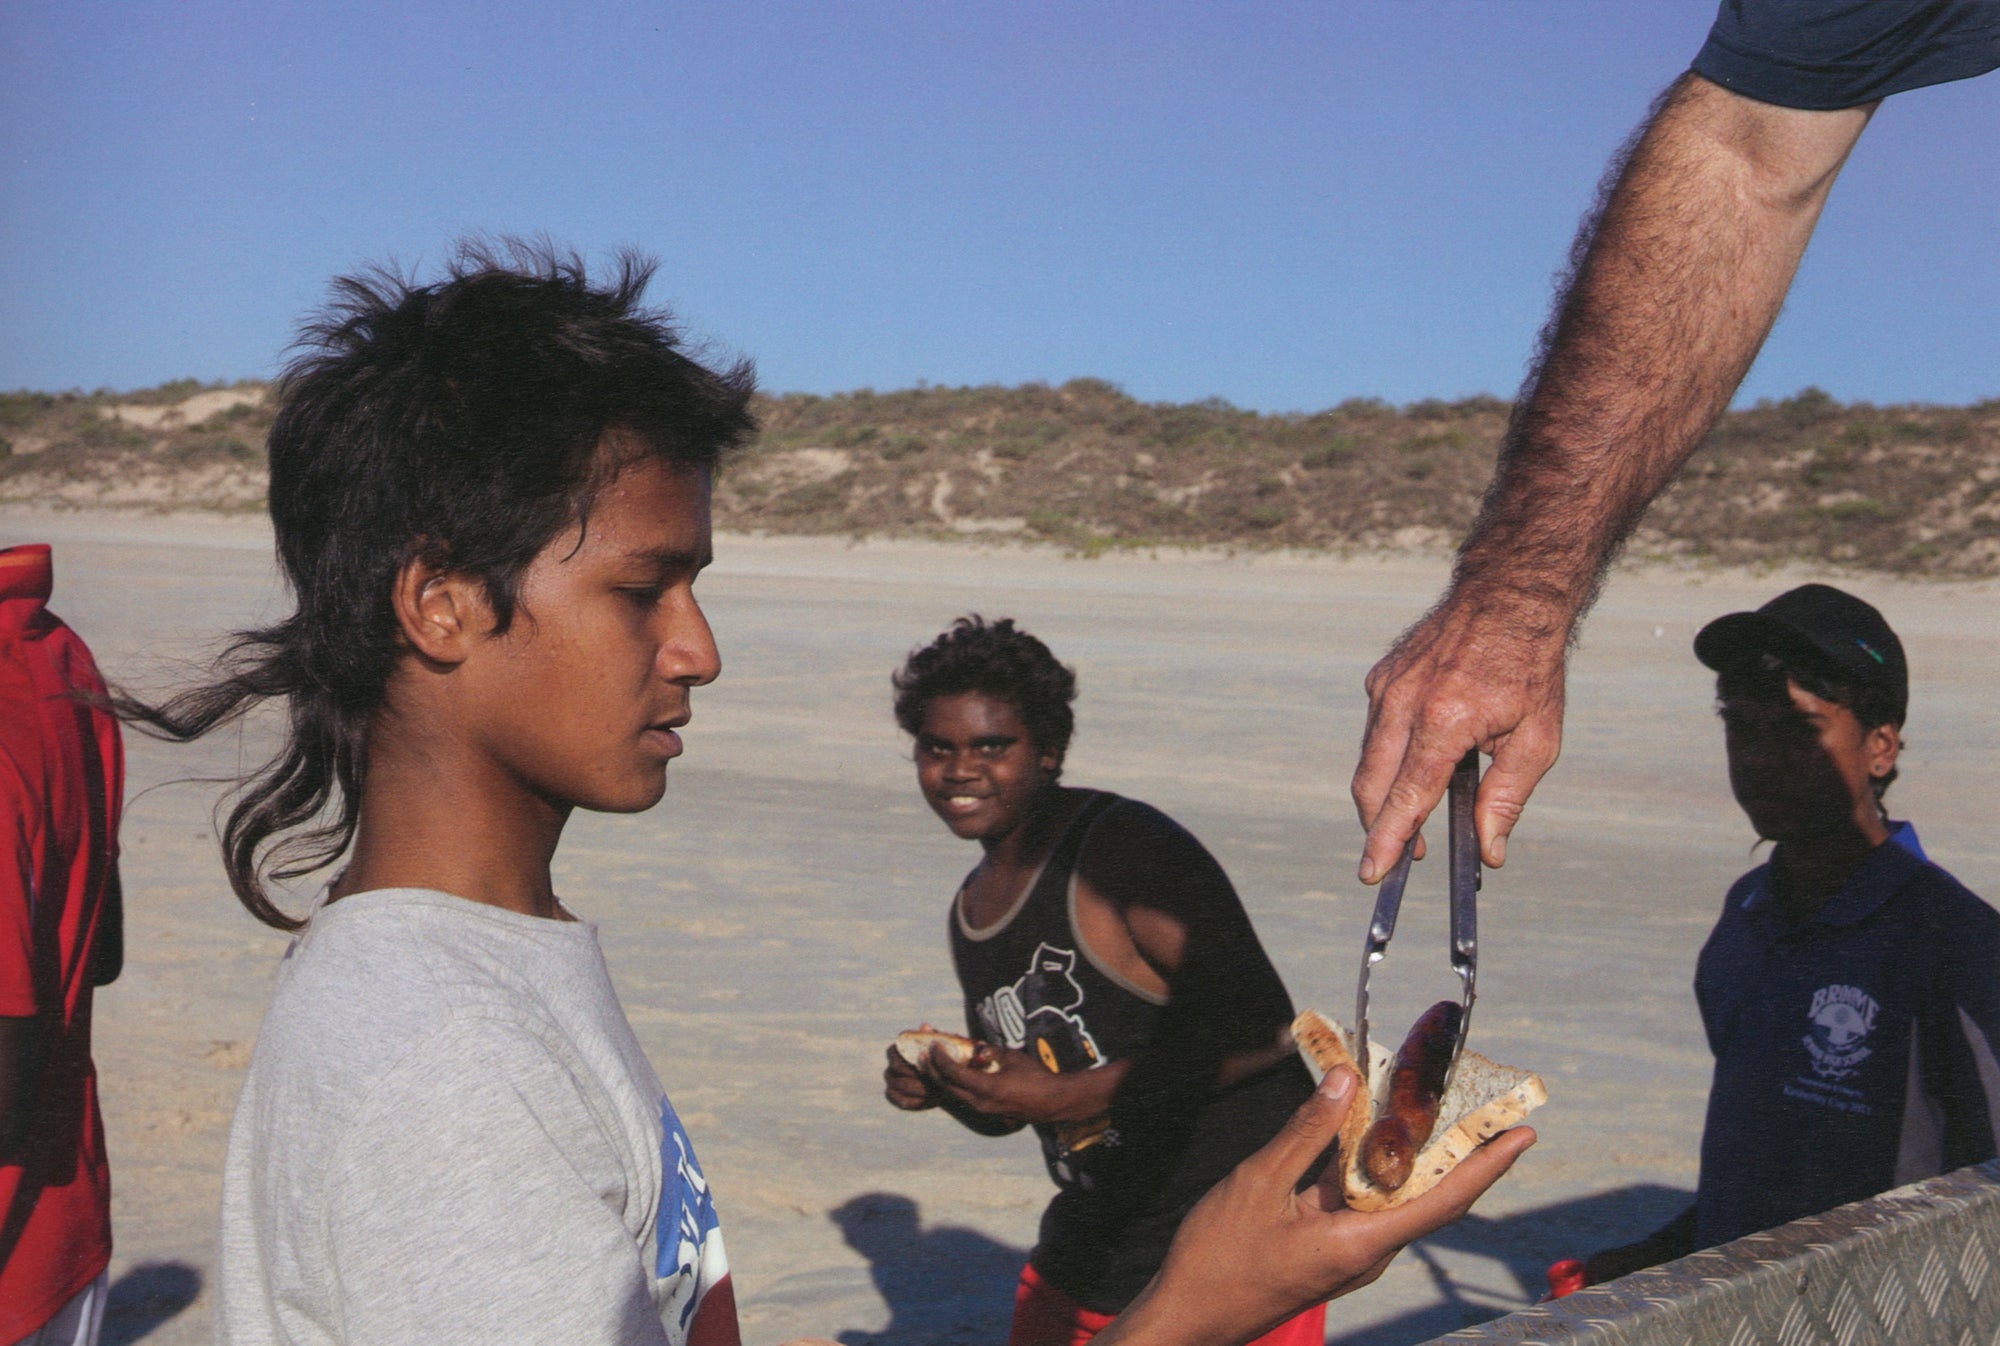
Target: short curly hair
x=1000 y=660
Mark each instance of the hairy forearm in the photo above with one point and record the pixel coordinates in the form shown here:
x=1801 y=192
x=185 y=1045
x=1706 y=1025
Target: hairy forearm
x=1673 y=288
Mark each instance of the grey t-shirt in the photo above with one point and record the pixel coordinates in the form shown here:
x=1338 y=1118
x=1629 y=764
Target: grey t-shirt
x=449 y=1133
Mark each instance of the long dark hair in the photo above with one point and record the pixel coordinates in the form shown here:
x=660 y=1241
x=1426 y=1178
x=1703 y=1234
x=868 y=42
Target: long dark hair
x=458 y=421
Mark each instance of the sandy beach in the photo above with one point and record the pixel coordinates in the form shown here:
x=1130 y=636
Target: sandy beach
x=780 y=915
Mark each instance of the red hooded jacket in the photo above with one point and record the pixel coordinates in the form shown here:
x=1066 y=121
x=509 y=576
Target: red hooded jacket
x=62 y=779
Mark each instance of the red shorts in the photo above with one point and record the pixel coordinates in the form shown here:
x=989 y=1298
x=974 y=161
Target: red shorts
x=1045 y=1316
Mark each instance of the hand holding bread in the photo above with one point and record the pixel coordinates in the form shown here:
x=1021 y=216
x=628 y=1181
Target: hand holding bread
x=1484 y=1100
x=996 y=1085
x=1256 y=1251
x=910 y=1081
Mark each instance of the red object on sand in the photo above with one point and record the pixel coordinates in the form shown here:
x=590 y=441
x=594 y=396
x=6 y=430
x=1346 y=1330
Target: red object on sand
x=1565 y=1278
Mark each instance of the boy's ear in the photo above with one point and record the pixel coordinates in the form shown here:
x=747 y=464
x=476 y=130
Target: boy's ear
x=440 y=611
x=1883 y=745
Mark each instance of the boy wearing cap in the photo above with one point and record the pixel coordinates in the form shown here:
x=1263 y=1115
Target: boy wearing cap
x=1849 y=989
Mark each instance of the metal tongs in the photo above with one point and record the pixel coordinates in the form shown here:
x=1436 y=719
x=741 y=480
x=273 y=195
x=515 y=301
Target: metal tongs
x=1464 y=912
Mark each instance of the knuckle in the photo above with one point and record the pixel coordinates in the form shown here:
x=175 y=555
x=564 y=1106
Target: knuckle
x=1408 y=795
x=1449 y=716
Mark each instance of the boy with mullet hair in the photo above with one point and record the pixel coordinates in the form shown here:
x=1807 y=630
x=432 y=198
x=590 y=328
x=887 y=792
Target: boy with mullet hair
x=491 y=502
x=490 y=497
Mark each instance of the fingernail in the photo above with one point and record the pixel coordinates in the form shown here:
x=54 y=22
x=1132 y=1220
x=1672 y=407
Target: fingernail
x=1499 y=851
x=1367 y=870
x=1337 y=1085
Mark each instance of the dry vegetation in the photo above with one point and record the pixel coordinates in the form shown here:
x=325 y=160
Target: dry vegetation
x=1913 y=489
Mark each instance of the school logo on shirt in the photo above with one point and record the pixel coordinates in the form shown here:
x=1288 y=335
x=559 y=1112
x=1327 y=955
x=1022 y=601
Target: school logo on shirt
x=1841 y=1019
x=689 y=1237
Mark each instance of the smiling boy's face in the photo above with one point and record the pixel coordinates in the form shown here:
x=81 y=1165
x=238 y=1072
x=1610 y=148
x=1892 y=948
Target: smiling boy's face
x=978 y=765
x=1806 y=769
x=579 y=700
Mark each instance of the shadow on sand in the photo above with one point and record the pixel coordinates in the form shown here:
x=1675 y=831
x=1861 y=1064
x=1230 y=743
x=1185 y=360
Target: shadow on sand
x=1524 y=1243
x=145 y=1297
x=942 y=1285
x=951 y=1285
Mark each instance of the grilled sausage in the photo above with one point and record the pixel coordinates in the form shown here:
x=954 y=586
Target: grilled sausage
x=1416 y=1088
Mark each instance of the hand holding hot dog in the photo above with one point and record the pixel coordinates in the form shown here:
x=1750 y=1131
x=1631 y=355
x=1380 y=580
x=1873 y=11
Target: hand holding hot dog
x=1256 y=1251
x=907 y=1087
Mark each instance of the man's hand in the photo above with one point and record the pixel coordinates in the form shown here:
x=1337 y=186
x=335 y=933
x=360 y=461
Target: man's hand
x=1472 y=674
x=1256 y=1251
x=1674 y=283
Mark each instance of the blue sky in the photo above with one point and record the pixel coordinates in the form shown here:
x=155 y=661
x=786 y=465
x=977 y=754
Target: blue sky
x=1281 y=204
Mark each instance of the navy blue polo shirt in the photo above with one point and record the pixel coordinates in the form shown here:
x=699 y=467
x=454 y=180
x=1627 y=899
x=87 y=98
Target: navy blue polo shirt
x=1826 y=54
x=1854 y=1051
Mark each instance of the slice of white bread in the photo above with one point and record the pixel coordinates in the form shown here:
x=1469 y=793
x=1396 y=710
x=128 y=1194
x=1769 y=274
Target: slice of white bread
x=1484 y=1099
x=915 y=1047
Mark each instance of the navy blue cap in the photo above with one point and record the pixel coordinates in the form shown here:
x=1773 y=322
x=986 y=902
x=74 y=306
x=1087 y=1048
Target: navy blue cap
x=1814 y=626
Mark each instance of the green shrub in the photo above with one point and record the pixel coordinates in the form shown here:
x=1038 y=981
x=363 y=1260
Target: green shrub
x=1340 y=449
x=1094 y=388
x=1808 y=406
x=1852 y=510
x=173 y=390
x=21 y=409
x=818 y=498
x=1823 y=465
x=99 y=433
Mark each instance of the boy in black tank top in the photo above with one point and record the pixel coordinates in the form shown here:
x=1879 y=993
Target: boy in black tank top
x=1124 y=1007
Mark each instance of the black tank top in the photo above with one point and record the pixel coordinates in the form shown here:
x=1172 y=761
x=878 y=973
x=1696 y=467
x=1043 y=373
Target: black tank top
x=1030 y=984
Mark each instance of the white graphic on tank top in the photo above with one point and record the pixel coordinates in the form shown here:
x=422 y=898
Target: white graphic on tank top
x=1037 y=1015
